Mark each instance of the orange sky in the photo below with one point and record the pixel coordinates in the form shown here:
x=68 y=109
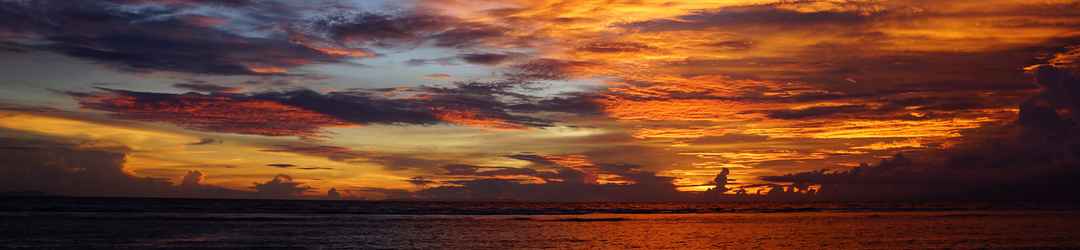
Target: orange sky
x=378 y=100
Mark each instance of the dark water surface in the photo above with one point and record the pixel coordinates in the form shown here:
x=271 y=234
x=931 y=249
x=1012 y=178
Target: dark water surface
x=82 y=223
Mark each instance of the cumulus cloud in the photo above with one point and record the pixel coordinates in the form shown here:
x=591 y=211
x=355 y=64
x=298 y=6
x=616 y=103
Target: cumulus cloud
x=193 y=178
x=333 y=194
x=281 y=186
x=59 y=167
x=62 y=167
x=1031 y=159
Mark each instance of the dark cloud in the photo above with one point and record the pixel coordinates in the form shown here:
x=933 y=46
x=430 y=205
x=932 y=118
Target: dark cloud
x=751 y=16
x=333 y=153
x=333 y=194
x=490 y=59
x=403 y=29
x=421 y=181
x=577 y=103
x=546 y=69
x=561 y=178
x=205 y=87
x=859 y=55
x=162 y=38
x=281 y=186
x=57 y=166
x=315 y=168
x=216 y=113
x=496 y=105
x=847 y=68
x=466 y=35
x=1031 y=159
x=241 y=38
x=205 y=141
x=728 y=139
x=815 y=112
x=460 y=169
x=391 y=161
x=503 y=189
x=193 y=178
x=380 y=29
x=479 y=58
x=733 y=45
x=280 y=165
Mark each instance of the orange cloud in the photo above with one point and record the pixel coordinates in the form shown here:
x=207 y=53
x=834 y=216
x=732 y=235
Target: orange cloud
x=267 y=69
x=474 y=119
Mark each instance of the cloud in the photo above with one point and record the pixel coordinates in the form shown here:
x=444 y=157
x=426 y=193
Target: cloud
x=315 y=168
x=53 y=166
x=728 y=139
x=406 y=28
x=551 y=178
x=223 y=37
x=305 y=113
x=391 y=161
x=165 y=38
x=205 y=141
x=1031 y=159
x=615 y=47
x=438 y=76
x=88 y=168
x=490 y=59
x=815 y=112
x=478 y=58
x=216 y=113
x=281 y=186
x=193 y=178
x=546 y=69
x=205 y=87
x=333 y=194
x=782 y=15
x=280 y=165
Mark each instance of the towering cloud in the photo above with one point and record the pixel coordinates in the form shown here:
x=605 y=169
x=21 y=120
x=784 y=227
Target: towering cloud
x=1033 y=158
x=61 y=167
x=58 y=167
x=282 y=186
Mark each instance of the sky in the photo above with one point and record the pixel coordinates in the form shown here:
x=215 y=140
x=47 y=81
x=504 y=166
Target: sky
x=574 y=100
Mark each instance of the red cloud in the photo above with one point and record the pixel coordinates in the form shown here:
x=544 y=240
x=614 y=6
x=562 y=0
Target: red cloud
x=217 y=113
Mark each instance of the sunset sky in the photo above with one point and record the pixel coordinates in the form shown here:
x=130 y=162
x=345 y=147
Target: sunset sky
x=509 y=98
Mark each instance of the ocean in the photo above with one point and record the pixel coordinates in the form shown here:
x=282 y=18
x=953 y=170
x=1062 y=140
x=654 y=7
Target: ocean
x=136 y=223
